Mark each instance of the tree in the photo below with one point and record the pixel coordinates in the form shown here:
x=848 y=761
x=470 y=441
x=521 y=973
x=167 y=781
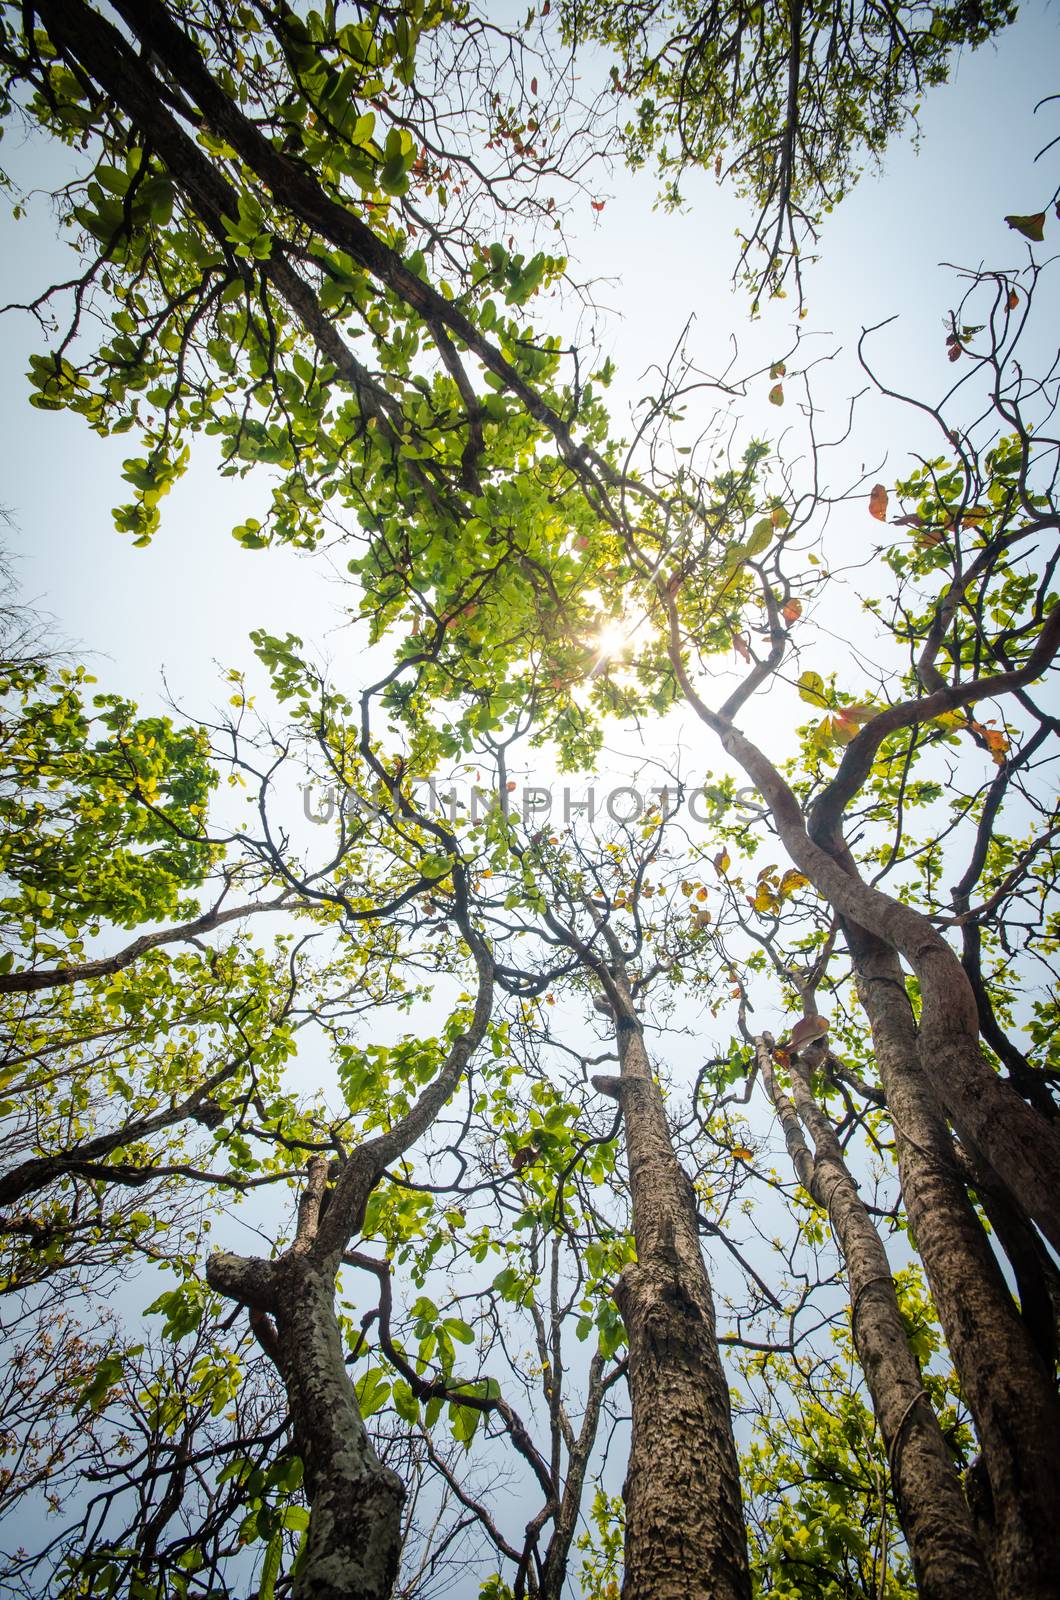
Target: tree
x=242 y=222
x=800 y=95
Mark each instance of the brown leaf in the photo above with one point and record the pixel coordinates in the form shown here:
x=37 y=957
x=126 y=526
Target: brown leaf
x=878 y=503
x=856 y=716
x=842 y=729
x=807 y=1031
x=1013 y=300
x=722 y=861
x=598 y=205
x=1031 y=227
x=739 y=644
x=912 y=519
x=776 y=395
x=533 y=85
x=792 y=611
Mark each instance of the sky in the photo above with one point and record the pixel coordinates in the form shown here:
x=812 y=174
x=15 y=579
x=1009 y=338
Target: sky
x=169 y=619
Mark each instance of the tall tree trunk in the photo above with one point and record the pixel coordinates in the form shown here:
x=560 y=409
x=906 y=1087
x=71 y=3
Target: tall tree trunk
x=1009 y=1391
x=945 y=1551
x=355 y=1530
x=685 y=1536
x=355 y=1501
x=1021 y=1145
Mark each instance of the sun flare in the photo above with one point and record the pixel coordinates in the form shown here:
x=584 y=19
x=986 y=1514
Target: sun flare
x=612 y=639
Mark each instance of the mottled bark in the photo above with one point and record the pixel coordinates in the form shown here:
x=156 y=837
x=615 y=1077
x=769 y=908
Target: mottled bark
x=945 y=1551
x=355 y=1528
x=354 y=1538
x=685 y=1537
x=1009 y=1392
x=355 y=1501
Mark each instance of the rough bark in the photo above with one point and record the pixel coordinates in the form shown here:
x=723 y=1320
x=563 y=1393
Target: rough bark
x=685 y=1537
x=355 y=1501
x=945 y=1551
x=1022 y=1146
x=1009 y=1392
x=355 y=1528
x=1035 y=1272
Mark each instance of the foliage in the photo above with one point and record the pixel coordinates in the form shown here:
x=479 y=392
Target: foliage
x=787 y=100
x=285 y=228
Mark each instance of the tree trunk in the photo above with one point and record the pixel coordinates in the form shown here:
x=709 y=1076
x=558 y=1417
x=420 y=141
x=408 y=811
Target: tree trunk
x=355 y=1531
x=1021 y=1146
x=1008 y=1389
x=554 y=1570
x=945 y=1551
x=355 y=1501
x=685 y=1537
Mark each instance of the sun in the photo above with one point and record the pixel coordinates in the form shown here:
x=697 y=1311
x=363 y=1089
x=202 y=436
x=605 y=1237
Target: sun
x=611 y=640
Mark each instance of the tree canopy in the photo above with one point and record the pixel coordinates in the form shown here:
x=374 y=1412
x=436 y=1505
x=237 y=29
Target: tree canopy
x=400 y=1192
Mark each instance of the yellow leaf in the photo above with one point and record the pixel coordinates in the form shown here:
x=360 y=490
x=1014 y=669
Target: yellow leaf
x=811 y=689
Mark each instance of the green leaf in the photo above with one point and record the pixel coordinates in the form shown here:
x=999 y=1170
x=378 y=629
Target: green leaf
x=373 y=1391
x=811 y=689
x=761 y=537
x=270 y=1567
x=463 y=1421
